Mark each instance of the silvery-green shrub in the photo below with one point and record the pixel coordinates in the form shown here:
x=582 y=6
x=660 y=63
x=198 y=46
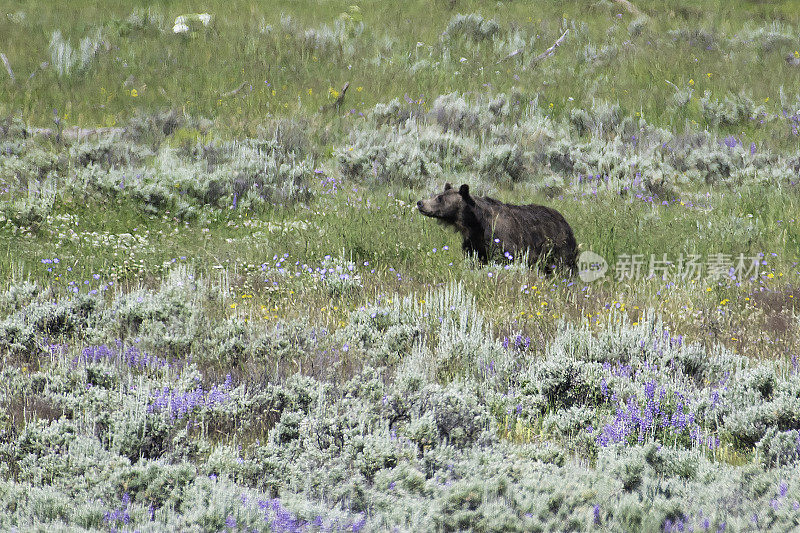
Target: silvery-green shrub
x=451 y=112
x=502 y=163
x=568 y=423
x=779 y=448
x=386 y=157
x=106 y=152
x=384 y=334
x=637 y=26
x=18 y=295
x=12 y=127
x=730 y=111
x=340 y=39
x=27 y=330
x=153 y=126
x=602 y=119
x=774 y=35
x=392 y=113
x=471 y=26
x=168 y=320
x=64 y=58
x=695 y=37
x=461 y=417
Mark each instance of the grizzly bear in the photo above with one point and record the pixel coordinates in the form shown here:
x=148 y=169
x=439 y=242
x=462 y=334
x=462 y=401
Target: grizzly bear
x=493 y=229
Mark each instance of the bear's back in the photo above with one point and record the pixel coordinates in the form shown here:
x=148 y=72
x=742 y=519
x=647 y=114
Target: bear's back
x=535 y=213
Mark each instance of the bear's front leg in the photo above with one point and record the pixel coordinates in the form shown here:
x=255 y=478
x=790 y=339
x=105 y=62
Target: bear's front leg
x=469 y=248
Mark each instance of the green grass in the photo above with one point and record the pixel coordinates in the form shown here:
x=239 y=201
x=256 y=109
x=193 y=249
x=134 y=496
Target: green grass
x=168 y=71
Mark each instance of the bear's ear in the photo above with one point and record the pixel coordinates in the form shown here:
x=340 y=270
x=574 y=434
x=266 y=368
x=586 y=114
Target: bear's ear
x=464 y=192
x=447 y=186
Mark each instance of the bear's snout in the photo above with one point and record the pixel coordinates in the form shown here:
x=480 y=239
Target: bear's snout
x=422 y=209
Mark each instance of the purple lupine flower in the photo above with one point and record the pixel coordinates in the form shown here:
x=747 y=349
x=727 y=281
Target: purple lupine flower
x=119 y=515
x=650 y=389
x=180 y=405
x=359 y=525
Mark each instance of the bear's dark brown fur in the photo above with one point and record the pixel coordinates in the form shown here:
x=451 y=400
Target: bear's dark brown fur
x=491 y=228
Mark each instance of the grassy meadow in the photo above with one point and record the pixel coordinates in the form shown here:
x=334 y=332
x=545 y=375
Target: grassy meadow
x=221 y=311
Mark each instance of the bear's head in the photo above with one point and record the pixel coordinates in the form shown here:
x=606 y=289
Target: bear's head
x=446 y=205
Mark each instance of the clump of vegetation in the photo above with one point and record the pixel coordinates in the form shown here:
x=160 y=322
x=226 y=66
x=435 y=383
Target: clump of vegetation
x=64 y=58
x=647 y=407
x=471 y=26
